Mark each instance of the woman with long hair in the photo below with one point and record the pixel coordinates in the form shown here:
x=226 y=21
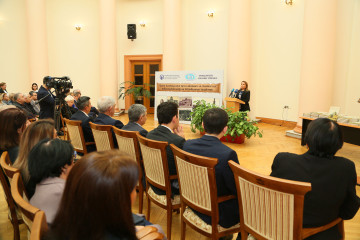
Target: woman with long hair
x=35 y=132
x=13 y=122
x=244 y=95
x=96 y=202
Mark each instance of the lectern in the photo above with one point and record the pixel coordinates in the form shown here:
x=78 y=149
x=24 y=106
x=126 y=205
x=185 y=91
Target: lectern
x=233 y=103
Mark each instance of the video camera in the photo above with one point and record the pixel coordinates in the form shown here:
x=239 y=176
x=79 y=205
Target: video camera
x=62 y=85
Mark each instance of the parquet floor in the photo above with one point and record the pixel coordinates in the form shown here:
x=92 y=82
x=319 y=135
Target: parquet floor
x=256 y=154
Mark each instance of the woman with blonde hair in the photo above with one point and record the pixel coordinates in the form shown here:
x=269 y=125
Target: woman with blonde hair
x=35 y=132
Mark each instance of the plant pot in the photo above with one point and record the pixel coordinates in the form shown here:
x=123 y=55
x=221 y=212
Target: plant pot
x=239 y=139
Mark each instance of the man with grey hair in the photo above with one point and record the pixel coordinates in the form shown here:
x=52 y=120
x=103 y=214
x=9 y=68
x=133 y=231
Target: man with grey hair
x=106 y=107
x=34 y=103
x=19 y=102
x=137 y=118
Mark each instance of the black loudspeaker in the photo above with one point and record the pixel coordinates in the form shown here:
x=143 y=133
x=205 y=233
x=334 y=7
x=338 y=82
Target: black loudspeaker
x=131 y=31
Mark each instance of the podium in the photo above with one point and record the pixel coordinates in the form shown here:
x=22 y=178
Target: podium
x=233 y=103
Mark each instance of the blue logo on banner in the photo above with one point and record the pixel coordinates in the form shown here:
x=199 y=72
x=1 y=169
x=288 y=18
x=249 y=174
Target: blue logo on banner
x=161 y=77
x=190 y=76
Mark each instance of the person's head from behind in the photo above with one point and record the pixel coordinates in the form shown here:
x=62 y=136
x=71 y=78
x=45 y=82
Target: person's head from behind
x=106 y=105
x=167 y=113
x=19 y=98
x=34 y=87
x=137 y=113
x=69 y=100
x=35 y=132
x=12 y=125
x=33 y=95
x=50 y=158
x=323 y=137
x=77 y=94
x=215 y=121
x=84 y=104
x=244 y=86
x=104 y=181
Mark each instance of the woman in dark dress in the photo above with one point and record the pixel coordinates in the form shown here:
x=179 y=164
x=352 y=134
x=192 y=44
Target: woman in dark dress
x=244 y=95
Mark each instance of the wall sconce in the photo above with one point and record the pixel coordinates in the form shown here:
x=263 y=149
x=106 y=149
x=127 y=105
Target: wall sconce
x=289 y=2
x=142 y=23
x=210 y=13
x=78 y=26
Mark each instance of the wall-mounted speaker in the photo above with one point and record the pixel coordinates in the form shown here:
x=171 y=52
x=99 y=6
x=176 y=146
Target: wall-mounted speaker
x=131 y=31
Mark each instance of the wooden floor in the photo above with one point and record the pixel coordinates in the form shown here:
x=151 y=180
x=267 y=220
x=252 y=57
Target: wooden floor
x=256 y=154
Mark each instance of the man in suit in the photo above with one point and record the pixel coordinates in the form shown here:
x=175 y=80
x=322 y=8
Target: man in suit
x=84 y=106
x=168 y=131
x=332 y=178
x=137 y=117
x=34 y=103
x=19 y=102
x=215 y=124
x=46 y=100
x=93 y=111
x=106 y=107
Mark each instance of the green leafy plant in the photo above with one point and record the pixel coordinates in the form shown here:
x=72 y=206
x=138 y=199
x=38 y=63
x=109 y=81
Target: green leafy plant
x=133 y=90
x=239 y=123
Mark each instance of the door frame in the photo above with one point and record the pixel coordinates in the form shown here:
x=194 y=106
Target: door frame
x=128 y=59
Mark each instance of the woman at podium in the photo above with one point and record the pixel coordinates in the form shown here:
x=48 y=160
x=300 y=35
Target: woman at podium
x=244 y=95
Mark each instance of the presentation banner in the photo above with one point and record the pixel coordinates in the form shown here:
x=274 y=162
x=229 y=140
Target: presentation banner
x=186 y=87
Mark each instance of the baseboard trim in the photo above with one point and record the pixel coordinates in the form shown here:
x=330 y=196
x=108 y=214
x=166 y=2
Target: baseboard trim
x=278 y=122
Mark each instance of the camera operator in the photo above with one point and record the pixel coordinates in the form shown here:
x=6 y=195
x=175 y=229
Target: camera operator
x=46 y=100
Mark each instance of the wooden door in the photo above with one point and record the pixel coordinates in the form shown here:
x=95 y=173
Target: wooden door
x=143 y=74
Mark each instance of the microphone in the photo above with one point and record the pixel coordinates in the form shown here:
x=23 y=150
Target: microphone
x=230 y=95
x=236 y=92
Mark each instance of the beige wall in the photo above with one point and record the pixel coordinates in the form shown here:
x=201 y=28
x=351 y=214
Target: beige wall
x=276 y=47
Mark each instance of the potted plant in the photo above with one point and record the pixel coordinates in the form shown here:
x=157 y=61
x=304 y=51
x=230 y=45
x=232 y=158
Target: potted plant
x=239 y=124
x=137 y=91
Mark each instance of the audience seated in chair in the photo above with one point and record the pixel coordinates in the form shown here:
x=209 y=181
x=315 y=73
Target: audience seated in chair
x=28 y=104
x=20 y=103
x=84 y=106
x=106 y=182
x=169 y=131
x=34 y=101
x=50 y=162
x=93 y=111
x=35 y=132
x=4 y=99
x=68 y=111
x=13 y=122
x=215 y=124
x=332 y=178
x=106 y=107
x=137 y=118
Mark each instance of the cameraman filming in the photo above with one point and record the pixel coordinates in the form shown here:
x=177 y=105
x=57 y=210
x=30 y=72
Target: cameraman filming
x=46 y=100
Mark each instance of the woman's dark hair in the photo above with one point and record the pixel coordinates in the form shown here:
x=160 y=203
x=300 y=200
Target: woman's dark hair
x=324 y=137
x=48 y=157
x=96 y=199
x=11 y=120
x=32 y=86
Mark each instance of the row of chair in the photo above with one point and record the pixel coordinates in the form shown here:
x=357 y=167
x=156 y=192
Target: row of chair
x=270 y=208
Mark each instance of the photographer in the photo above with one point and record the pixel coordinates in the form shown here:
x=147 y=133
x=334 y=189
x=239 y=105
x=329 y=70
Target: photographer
x=46 y=100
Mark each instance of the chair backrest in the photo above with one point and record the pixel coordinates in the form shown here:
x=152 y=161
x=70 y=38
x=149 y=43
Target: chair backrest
x=155 y=162
x=197 y=181
x=27 y=210
x=270 y=208
x=76 y=135
x=7 y=166
x=39 y=227
x=102 y=136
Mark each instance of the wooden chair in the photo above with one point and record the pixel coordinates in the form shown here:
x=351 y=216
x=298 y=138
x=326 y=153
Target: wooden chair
x=102 y=136
x=64 y=128
x=13 y=214
x=128 y=142
x=149 y=233
x=27 y=210
x=39 y=227
x=76 y=136
x=272 y=208
x=157 y=174
x=198 y=191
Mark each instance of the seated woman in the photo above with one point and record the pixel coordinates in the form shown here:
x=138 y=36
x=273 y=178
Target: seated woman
x=50 y=162
x=35 y=132
x=333 y=179
x=97 y=199
x=13 y=122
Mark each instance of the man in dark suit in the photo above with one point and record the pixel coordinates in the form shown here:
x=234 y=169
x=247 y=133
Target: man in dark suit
x=168 y=131
x=333 y=179
x=215 y=124
x=46 y=100
x=84 y=106
x=19 y=102
x=137 y=117
x=106 y=107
